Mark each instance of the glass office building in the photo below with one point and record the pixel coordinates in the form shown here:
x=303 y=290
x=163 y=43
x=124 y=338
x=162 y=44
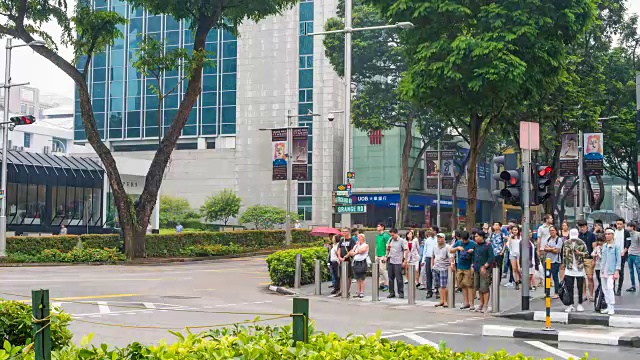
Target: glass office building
x=126 y=108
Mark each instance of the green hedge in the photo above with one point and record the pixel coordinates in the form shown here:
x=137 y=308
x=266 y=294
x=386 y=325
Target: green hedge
x=33 y=245
x=282 y=265
x=16 y=325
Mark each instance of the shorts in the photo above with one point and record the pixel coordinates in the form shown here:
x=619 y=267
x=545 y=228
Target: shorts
x=588 y=267
x=513 y=256
x=482 y=282
x=464 y=279
x=440 y=278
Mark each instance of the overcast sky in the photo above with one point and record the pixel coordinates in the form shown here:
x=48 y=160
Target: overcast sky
x=27 y=66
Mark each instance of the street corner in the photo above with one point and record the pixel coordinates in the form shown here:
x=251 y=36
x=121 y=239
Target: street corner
x=281 y=290
x=557 y=317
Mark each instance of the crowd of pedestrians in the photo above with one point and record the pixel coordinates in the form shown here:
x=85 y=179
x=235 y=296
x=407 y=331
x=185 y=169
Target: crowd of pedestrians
x=579 y=258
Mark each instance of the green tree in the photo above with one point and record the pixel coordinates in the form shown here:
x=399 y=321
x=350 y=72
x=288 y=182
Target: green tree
x=265 y=217
x=221 y=207
x=174 y=210
x=471 y=60
x=378 y=64
x=91 y=31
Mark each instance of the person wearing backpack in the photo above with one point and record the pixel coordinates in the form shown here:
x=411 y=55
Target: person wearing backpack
x=610 y=269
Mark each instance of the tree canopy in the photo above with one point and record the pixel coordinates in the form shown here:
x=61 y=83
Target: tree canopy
x=221 y=206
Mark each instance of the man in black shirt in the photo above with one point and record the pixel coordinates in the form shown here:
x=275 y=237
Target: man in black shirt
x=589 y=239
x=345 y=245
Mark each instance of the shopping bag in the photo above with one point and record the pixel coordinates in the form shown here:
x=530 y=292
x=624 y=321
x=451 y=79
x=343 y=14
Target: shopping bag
x=599 y=302
x=564 y=295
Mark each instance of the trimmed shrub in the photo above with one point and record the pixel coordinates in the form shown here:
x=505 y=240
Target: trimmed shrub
x=33 y=245
x=282 y=265
x=16 y=325
x=76 y=255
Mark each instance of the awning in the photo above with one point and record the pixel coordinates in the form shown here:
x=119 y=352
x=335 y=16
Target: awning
x=54 y=164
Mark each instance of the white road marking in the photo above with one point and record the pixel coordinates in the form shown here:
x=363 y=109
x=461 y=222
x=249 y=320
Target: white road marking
x=149 y=305
x=551 y=349
x=102 y=306
x=420 y=340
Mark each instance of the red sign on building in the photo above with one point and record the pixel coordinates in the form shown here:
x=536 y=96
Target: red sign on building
x=375 y=137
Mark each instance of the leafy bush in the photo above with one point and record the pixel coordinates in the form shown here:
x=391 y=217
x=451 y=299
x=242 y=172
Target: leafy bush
x=265 y=217
x=33 y=245
x=174 y=210
x=282 y=265
x=271 y=343
x=16 y=325
x=221 y=207
x=213 y=250
x=76 y=255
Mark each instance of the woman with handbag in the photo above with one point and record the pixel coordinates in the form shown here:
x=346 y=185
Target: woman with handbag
x=360 y=253
x=414 y=257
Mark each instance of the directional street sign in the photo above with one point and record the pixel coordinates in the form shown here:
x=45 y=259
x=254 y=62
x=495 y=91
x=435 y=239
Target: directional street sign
x=345 y=209
x=344 y=193
x=341 y=187
x=344 y=200
x=351 y=175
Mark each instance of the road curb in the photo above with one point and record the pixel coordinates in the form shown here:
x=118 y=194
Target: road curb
x=561 y=336
x=618 y=321
x=282 y=290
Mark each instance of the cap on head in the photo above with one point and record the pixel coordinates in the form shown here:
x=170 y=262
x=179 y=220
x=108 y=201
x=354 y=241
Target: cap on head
x=441 y=235
x=574 y=234
x=609 y=231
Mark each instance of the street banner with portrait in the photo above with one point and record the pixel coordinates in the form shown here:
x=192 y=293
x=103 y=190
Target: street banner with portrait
x=569 y=155
x=447 y=166
x=593 y=154
x=300 y=151
x=279 y=148
x=432 y=169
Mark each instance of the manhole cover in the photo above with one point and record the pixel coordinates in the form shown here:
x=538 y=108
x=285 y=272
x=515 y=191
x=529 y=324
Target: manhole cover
x=180 y=297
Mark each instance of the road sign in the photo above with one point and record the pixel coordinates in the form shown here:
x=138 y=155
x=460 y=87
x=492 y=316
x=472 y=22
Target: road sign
x=348 y=186
x=344 y=209
x=344 y=200
x=344 y=193
x=342 y=187
x=351 y=175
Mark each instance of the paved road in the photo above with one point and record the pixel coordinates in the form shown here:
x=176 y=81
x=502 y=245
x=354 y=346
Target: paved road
x=206 y=294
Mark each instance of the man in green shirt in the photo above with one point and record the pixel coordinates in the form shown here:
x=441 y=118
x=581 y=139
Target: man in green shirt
x=382 y=239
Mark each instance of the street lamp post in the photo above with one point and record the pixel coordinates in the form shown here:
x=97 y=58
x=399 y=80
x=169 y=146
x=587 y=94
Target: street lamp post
x=5 y=139
x=347 y=31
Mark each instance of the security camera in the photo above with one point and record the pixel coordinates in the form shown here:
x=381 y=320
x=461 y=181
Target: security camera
x=331 y=116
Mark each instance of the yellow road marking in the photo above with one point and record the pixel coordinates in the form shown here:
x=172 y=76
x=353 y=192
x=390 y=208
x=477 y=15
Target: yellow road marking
x=265 y=283
x=109 y=296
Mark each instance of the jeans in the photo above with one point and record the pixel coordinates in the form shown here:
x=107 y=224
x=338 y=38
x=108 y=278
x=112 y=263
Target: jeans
x=555 y=272
x=335 y=269
x=333 y=276
x=569 y=281
x=634 y=266
x=395 y=273
x=507 y=267
x=429 y=274
x=499 y=261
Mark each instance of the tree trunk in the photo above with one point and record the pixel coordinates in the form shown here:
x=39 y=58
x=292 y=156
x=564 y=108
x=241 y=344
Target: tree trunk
x=404 y=175
x=475 y=146
x=454 y=192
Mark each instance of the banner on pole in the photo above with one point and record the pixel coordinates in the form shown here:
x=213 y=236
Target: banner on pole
x=593 y=154
x=448 y=169
x=280 y=148
x=433 y=167
x=300 y=151
x=568 y=165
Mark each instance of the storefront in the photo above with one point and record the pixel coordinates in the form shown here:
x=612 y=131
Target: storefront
x=46 y=191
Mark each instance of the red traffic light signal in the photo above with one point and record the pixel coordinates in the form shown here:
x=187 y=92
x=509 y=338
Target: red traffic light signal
x=23 y=120
x=544 y=170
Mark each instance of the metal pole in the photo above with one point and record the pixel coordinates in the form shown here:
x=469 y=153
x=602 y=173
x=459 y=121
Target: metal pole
x=547 y=292
x=375 y=282
x=287 y=223
x=439 y=188
x=344 y=280
x=298 y=274
x=348 y=6
x=318 y=277
x=411 y=277
x=451 y=291
x=580 y=214
x=495 y=290
x=5 y=140
x=524 y=243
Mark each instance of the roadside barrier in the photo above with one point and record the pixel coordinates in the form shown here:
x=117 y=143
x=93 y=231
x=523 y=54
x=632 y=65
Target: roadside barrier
x=375 y=282
x=451 y=289
x=298 y=274
x=318 y=277
x=411 y=279
x=547 y=293
x=495 y=290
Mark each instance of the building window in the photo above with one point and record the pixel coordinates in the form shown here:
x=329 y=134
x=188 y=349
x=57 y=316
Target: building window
x=23 y=109
x=27 y=140
x=58 y=145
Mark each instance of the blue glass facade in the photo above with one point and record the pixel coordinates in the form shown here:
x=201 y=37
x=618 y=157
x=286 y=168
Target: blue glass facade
x=125 y=107
x=305 y=99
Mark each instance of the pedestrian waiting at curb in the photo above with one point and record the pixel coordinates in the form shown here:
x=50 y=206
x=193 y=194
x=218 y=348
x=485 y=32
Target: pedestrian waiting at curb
x=382 y=239
x=427 y=259
x=634 y=256
x=552 y=250
x=397 y=256
x=440 y=263
x=464 y=274
x=610 y=270
x=335 y=264
x=483 y=263
x=573 y=254
x=360 y=254
x=514 y=254
x=414 y=258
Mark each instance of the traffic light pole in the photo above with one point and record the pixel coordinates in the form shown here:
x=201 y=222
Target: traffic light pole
x=439 y=189
x=580 y=213
x=526 y=188
x=5 y=140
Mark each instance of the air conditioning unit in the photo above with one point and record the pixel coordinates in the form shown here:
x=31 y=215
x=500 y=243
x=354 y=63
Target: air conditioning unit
x=17 y=148
x=45 y=150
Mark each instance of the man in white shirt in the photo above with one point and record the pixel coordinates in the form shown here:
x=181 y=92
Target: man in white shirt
x=429 y=245
x=622 y=239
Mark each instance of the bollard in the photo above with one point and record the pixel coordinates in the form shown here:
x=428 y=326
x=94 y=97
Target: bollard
x=411 y=277
x=344 y=280
x=375 y=287
x=451 y=289
x=298 y=275
x=495 y=290
x=300 y=320
x=41 y=329
x=547 y=293
x=318 y=277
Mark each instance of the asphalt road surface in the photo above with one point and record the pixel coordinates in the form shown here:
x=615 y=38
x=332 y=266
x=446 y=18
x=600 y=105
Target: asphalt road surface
x=120 y=304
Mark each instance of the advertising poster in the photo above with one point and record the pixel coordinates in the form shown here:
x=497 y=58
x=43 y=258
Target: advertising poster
x=300 y=151
x=448 y=169
x=569 y=155
x=279 y=150
x=432 y=169
x=593 y=154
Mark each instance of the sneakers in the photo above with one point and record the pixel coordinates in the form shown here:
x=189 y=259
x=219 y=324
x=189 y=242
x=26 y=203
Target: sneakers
x=631 y=289
x=385 y=288
x=569 y=309
x=509 y=284
x=579 y=308
x=610 y=310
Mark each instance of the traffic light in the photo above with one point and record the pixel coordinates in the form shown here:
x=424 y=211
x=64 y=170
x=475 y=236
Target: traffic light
x=23 y=120
x=541 y=181
x=511 y=177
